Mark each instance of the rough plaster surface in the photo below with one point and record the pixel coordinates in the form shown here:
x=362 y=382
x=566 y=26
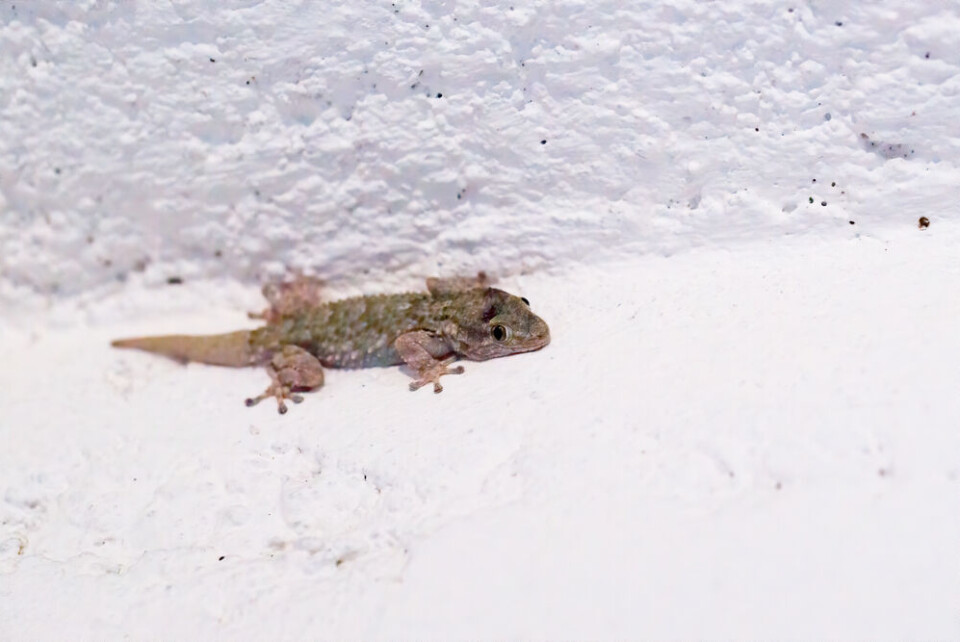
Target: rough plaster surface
x=745 y=426
x=362 y=140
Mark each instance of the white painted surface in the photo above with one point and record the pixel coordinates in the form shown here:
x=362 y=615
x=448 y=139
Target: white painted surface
x=745 y=427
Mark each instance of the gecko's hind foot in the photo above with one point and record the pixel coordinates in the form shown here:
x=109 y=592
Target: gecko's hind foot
x=280 y=393
x=433 y=374
x=290 y=297
x=292 y=370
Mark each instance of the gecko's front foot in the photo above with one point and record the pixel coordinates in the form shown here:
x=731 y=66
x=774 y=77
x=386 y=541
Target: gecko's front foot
x=433 y=372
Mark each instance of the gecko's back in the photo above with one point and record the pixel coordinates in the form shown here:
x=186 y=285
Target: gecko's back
x=358 y=332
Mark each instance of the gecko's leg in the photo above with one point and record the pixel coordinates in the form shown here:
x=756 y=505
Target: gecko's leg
x=450 y=285
x=292 y=370
x=290 y=297
x=428 y=355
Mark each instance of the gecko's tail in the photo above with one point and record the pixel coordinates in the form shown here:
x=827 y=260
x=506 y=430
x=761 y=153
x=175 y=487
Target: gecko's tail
x=231 y=349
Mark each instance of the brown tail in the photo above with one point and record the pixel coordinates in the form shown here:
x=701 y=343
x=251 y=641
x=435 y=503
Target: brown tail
x=231 y=349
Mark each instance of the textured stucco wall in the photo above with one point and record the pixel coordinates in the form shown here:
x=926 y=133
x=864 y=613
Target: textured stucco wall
x=362 y=140
x=751 y=439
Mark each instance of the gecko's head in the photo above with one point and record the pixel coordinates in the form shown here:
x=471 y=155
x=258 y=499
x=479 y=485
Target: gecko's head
x=504 y=325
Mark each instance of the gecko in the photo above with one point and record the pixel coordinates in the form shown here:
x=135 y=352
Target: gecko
x=459 y=317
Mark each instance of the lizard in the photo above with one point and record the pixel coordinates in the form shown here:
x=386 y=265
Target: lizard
x=459 y=317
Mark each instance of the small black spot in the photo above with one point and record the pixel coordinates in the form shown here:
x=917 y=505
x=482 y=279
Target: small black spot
x=927 y=55
x=814 y=180
x=56 y=170
x=222 y=557
x=824 y=203
x=756 y=129
x=459 y=196
x=852 y=222
x=811 y=199
x=175 y=280
x=543 y=142
x=923 y=223
x=213 y=60
x=218 y=253
x=525 y=300
x=439 y=95
x=838 y=23
x=833 y=184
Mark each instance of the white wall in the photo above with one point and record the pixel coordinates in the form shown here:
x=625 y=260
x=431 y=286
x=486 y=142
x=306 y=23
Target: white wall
x=317 y=138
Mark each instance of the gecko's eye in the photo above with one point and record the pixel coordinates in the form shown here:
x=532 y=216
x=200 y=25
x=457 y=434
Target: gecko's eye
x=525 y=300
x=499 y=332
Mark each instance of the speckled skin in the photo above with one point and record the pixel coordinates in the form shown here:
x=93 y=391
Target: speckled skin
x=456 y=318
x=358 y=332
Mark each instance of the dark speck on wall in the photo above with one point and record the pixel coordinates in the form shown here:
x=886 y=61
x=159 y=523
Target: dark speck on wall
x=852 y=222
x=439 y=95
x=824 y=203
x=175 y=280
x=213 y=60
x=543 y=142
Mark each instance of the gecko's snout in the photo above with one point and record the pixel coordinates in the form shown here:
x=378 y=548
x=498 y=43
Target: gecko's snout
x=539 y=333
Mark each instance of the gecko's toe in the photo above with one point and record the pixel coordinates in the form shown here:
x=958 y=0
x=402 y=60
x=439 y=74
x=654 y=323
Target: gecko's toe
x=278 y=392
x=433 y=374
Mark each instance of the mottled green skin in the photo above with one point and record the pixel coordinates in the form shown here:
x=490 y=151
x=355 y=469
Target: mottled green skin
x=360 y=332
